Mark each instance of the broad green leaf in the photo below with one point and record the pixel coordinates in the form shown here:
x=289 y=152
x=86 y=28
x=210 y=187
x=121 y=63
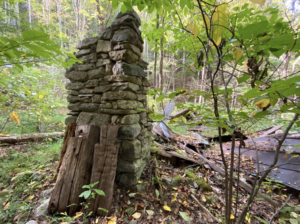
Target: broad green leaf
x=244 y=78
x=293 y=221
x=156 y=117
x=253 y=93
x=220 y=23
x=252 y=30
x=34 y=35
x=185 y=216
x=260 y=2
x=160 y=98
x=286 y=39
x=99 y=192
x=261 y=114
x=85 y=194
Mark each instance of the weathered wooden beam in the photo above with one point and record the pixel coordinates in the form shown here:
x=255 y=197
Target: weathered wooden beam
x=13 y=139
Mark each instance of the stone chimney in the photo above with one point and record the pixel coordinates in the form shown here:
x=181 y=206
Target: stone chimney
x=110 y=87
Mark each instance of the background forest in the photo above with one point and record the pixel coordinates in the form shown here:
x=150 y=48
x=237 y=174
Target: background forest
x=235 y=65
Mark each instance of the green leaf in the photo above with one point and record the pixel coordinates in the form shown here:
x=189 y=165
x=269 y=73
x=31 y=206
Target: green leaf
x=261 y=114
x=253 y=93
x=282 y=40
x=252 y=30
x=160 y=98
x=99 y=192
x=156 y=117
x=185 y=216
x=293 y=221
x=273 y=102
x=93 y=184
x=103 y=209
x=244 y=78
x=260 y=219
x=182 y=3
x=34 y=35
x=151 y=92
x=156 y=193
x=85 y=194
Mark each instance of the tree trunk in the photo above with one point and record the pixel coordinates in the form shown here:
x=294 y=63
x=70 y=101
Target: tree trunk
x=29 y=11
x=161 y=61
x=155 y=56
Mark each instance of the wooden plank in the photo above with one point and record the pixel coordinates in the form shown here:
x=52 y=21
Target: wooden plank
x=106 y=168
x=66 y=189
x=82 y=175
x=70 y=132
x=55 y=197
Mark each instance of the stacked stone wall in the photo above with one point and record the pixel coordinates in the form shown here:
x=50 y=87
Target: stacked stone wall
x=110 y=87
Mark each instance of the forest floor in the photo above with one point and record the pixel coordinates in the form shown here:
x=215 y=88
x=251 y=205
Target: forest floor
x=185 y=189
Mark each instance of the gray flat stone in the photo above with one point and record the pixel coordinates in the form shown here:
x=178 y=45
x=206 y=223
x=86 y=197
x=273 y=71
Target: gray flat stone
x=74 y=86
x=130 y=167
x=129 y=132
x=93 y=118
x=71 y=119
x=83 y=52
x=85 y=67
x=73 y=99
x=86 y=43
x=129 y=104
x=73 y=106
x=97 y=73
x=89 y=107
x=92 y=83
x=130 y=119
x=131 y=150
x=121 y=95
x=123 y=68
x=104 y=46
x=124 y=55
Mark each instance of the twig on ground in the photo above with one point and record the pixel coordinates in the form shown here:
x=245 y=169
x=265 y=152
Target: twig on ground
x=205 y=209
x=277 y=212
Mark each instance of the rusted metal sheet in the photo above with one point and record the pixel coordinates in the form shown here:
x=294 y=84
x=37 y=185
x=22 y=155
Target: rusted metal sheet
x=287 y=170
x=268 y=143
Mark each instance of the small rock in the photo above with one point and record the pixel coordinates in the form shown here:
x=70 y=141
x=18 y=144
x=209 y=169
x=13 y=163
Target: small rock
x=32 y=222
x=41 y=211
x=46 y=193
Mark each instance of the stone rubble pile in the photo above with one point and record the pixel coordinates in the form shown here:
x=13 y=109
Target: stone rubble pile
x=110 y=87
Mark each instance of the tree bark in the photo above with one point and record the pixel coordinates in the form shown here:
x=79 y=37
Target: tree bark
x=155 y=56
x=161 y=60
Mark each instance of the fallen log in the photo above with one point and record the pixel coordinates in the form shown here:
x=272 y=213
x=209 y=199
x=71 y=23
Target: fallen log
x=14 y=138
